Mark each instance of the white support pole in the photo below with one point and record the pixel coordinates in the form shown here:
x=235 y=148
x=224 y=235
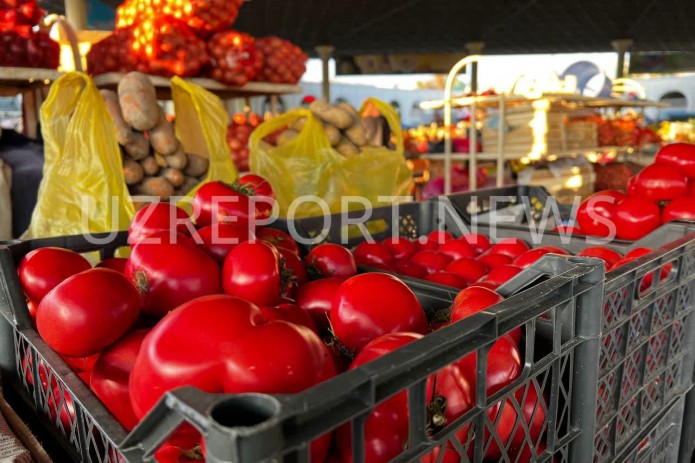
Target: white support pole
x=500 y=142
x=448 y=90
x=76 y=13
x=325 y=52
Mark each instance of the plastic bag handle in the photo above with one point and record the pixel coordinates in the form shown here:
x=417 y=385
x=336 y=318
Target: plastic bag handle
x=392 y=118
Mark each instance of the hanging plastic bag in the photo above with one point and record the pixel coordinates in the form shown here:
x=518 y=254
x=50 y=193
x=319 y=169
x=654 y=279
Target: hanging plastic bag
x=83 y=189
x=201 y=127
x=310 y=166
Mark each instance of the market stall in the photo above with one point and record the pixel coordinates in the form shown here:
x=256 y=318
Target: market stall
x=167 y=305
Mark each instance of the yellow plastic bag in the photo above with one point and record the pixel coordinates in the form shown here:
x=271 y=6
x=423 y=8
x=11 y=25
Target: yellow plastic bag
x=83 y=189
x=308 y=165
x=201 y=127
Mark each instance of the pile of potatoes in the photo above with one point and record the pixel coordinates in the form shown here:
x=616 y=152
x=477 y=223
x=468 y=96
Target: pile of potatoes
x=342 y=124
x=154 y=162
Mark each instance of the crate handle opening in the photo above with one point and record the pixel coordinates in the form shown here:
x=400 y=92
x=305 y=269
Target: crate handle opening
x=245 y=411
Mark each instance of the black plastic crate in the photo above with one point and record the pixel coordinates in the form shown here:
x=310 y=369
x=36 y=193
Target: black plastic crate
x=256 y=427
x=659 y=440
x=521 y=205
x=647 y=346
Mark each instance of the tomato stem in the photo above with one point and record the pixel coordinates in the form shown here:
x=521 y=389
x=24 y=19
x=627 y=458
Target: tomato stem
x=141 y=282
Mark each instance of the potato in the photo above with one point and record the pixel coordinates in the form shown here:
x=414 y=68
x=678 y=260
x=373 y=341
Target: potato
x=356 y=133
x=124 y=134
x=347 y=148
x=347 y=107
x=133 y=172
x=150 y=166
x=265 y=146
x=162 y=137
x=173 y=176
x=197 y=165
x=287 y=136
x=161 y=160
x=299 y=124
x=177 y=160
x=139 y=148
x=155 y=186
x=188 y=184
x=330 y=114
x=138 y=99
x=332 y=133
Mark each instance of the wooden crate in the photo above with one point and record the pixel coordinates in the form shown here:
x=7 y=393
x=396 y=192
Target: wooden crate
x=565 y=184
x=537 y=129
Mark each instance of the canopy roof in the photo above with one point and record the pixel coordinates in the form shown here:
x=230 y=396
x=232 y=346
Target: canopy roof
x=506 y=26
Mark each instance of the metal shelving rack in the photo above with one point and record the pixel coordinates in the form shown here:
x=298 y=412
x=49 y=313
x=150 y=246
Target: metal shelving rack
x=501 y=103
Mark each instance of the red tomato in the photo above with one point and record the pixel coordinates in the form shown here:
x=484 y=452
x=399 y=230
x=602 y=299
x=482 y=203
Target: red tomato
x=500 y=275
x=181 y=448
x=358 y=315
x=114 y=263
x=447 y=279
x=609 y=256
x=595 y=214
x=316 y=298
x=491 y=285
x=476 y=299
x=457 y=249
x=471 y=270
x=678 y=155
x=87 y=312
x=158 y=217
x=691 y=187
x=679 y=209
x=290 y=313
x=372 y=254
x=32 y=307
x=168 y=275
x=533 y=410
x=207 y=342
x=495 y=260
x=252 y=271
x=220 y=238
x=532 y=255
x=424 y=244
x=631 y=186
x=431 y=261
x=481 y=243
x=80 y=364
x=292 y=263
x=471 y=301
x=331 y=260
x=660 y=182
x=399 y=247
x=440 y=236
x=503 y=365
x=512 y=247
x=635 y=217
x=567 y=230
x=262 y=191
x=111 y=375
x=386 y=428
x=410 y=269
x=649 y=278
x=278 y=238
x=217 y=202
x=505 y=418
x=43 y=269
